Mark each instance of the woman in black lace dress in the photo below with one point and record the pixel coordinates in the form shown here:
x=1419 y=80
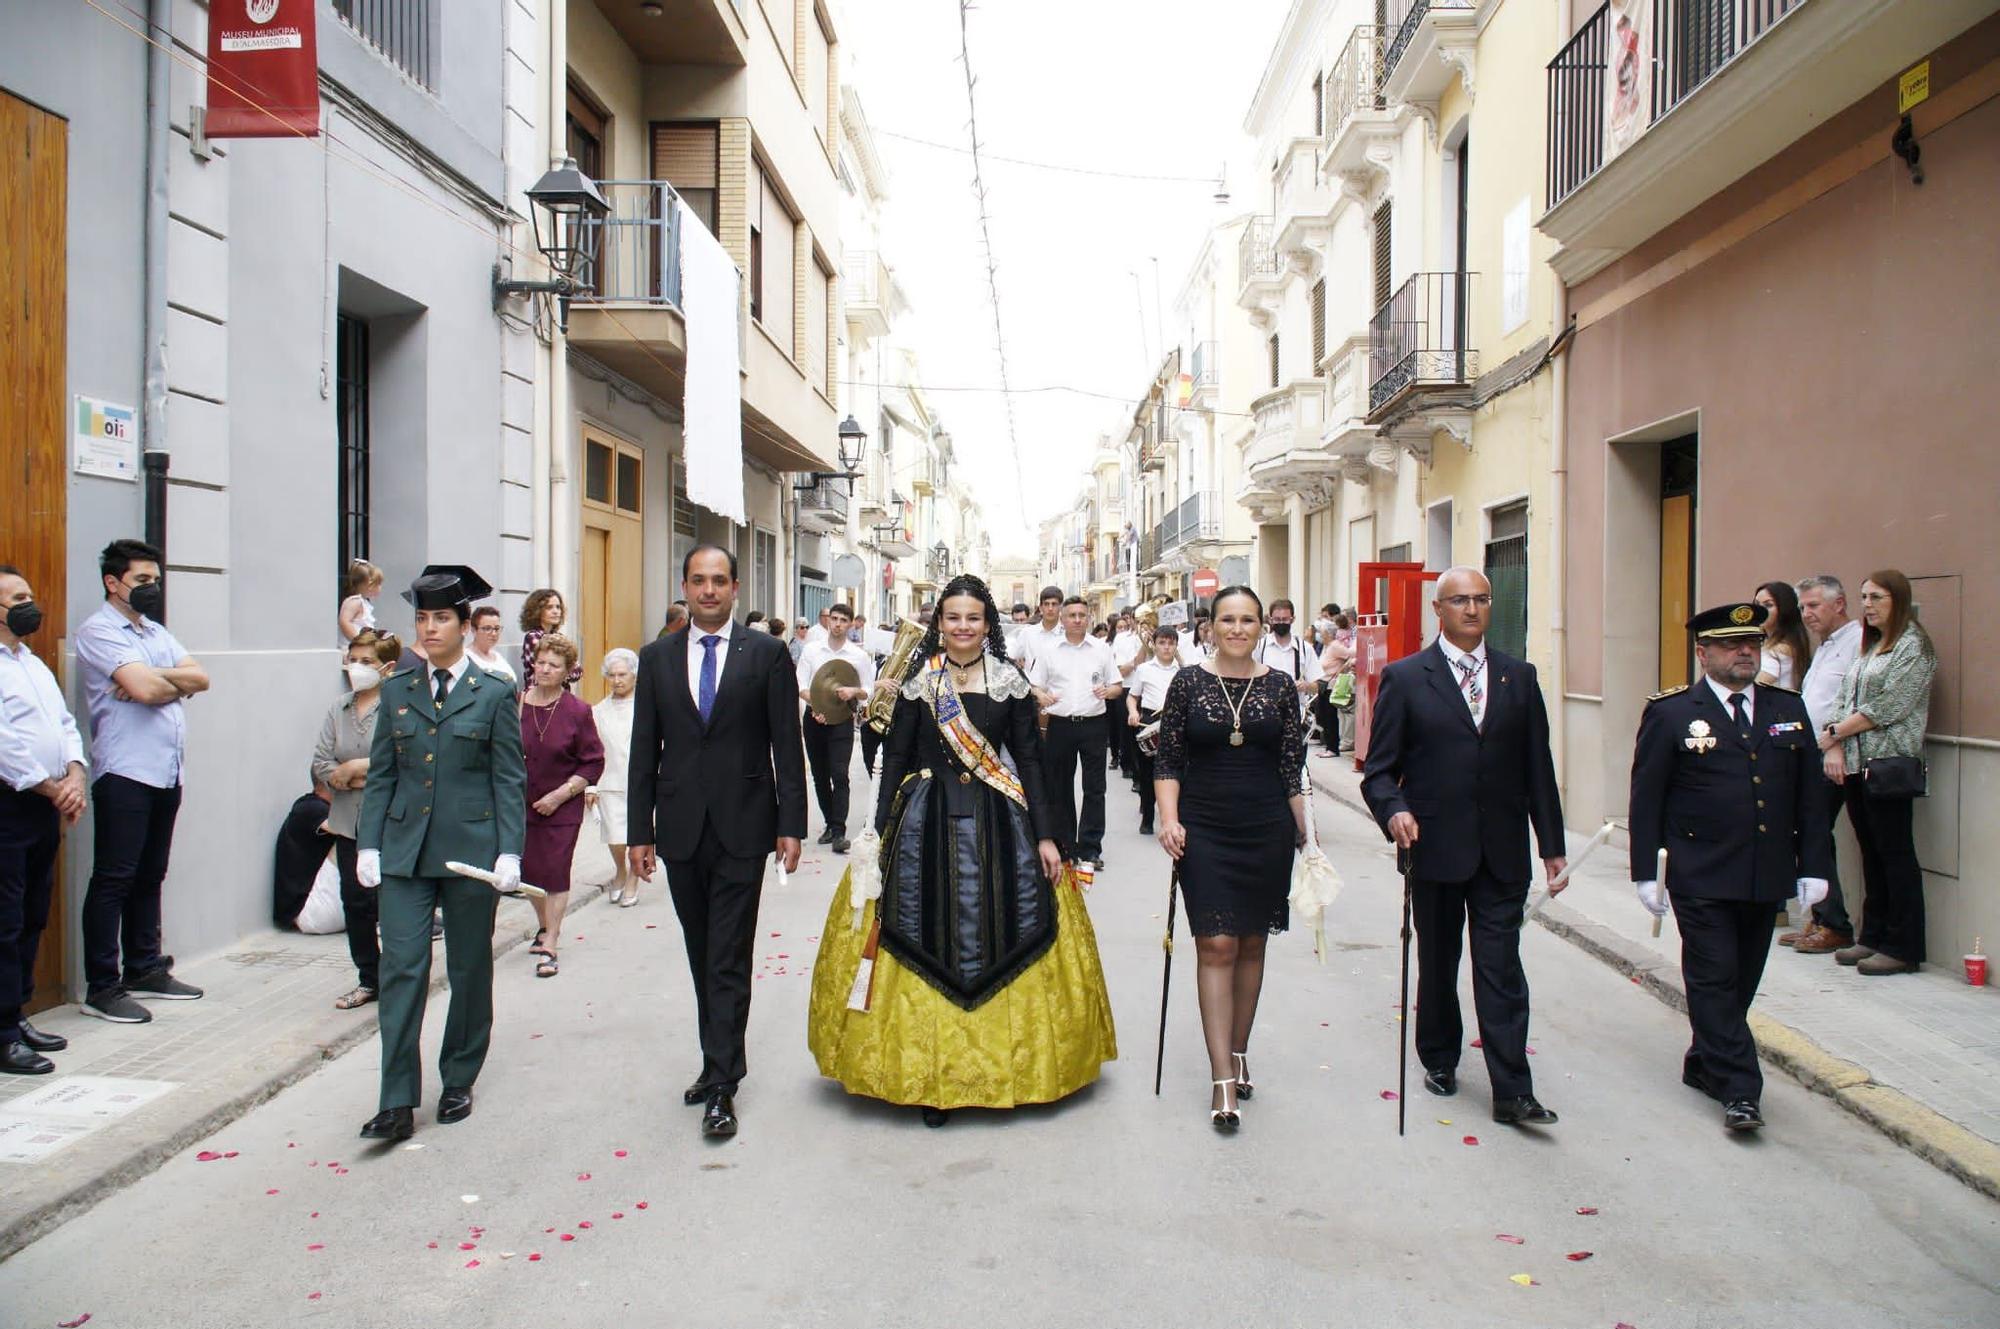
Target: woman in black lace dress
x=1232 y=812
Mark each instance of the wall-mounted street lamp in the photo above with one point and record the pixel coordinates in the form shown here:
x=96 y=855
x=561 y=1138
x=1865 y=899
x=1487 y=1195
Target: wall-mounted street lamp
x=575 y=209
x=852 y=438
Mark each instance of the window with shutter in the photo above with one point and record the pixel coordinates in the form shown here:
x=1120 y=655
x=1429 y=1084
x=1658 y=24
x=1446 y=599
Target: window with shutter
x=1382 y=269
x=688 y=157
x=1319 y=323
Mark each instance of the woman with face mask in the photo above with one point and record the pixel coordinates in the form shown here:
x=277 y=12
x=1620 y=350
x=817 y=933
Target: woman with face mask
x=340 y=769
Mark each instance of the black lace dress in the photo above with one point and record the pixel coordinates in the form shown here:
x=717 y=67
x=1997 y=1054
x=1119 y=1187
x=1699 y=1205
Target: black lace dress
x=1234 y=800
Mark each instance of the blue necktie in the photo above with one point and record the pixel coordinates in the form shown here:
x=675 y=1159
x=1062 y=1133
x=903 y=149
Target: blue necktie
x=707 y=702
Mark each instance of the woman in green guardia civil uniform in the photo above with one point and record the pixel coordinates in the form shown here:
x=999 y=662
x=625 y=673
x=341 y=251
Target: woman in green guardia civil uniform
x=958 y=967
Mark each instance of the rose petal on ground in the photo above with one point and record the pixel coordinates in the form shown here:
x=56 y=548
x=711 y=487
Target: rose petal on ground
x=1579 y=1256
x=1391 y=1095
x=651 y=926
x=1588 y=1210
x=1510 y=1239
x=569 y=1236
x=310 y=1296
x=640 y=1205
x=431 y=1245
x=618 y=1153
x=85 y=1319
x=206 y=1156
x=272 y=1191
x=1478 y=1043
x=313 y=1214
x=472 y=1264
x=230 y=1154
x=334 y=1163
x=619 y=1214
x=583 y=1176
x=1521 y=1279
x=1470 y=1139
x=317 y=1246
x=533 y=1037
x=585 y=1224
x=533 y=1256
x=467 y=1246
x=1531 y=1051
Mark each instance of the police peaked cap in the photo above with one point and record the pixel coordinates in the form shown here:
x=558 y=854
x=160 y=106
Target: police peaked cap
x=447 y=586
x=1728 y=621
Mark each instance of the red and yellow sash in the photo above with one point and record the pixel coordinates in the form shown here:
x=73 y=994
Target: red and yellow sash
x=966 y=743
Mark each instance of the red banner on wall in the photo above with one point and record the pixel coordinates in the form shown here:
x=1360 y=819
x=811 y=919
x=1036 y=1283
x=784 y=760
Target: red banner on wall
x=263 y=69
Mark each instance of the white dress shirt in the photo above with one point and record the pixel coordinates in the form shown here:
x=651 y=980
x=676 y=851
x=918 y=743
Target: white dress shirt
x=1149 y=682
x=495 y=664
x=1192 y=652
x=38 y=736
x=1749 y=700
x=1031 y=639
x=1477 y=655
x=695 y=649
x=1293 y=658
x=1829 y=666
x=455 y=672
x=1126 y=648
x=814 y=657
x=1072 y=670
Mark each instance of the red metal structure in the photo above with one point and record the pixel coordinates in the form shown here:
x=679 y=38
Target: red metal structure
x=1389 y=624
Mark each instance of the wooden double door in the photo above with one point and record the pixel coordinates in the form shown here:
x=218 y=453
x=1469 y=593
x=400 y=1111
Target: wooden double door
x=611 y=612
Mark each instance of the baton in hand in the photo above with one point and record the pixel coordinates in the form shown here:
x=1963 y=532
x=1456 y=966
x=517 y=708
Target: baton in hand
x=524 y=891
x=1166 y=975
x=1403 y=1046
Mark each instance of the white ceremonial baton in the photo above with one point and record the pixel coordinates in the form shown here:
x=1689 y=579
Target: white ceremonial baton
x=1562 y=877
x=493 y=880
x=1660 y=875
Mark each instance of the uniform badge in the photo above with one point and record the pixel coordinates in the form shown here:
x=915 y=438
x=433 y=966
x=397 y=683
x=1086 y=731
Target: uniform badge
x=402 y=710
x=1699 y=738
x=1741 y=614
x=1787 y=727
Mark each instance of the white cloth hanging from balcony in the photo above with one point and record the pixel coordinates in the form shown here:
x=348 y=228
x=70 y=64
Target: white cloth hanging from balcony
x=712 y=431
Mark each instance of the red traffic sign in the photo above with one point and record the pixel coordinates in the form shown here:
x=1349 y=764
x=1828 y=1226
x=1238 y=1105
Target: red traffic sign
x=1206 y=583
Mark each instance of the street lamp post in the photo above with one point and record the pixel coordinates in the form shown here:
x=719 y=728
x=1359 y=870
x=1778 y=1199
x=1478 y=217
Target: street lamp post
x=576 y=212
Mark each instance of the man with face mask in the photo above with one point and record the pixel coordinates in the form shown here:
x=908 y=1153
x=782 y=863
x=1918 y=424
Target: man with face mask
x=41 y=792
x=136 y=677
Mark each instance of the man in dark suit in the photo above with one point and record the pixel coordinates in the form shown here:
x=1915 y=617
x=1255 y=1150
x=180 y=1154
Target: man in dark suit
x=1726 y=780
x=1458 y=767
x=717 y=781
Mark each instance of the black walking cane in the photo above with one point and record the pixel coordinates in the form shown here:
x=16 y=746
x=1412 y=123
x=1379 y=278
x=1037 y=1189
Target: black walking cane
x=1166 y=976
x=1403 y=1047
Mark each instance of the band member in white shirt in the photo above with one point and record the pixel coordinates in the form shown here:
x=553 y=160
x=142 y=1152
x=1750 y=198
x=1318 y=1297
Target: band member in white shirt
x=830 y=744
x=1046 y=631
x=1199 y=643
x=1289 y=654
x=1145 y=693
x=1127 y=650
x=1073 y=679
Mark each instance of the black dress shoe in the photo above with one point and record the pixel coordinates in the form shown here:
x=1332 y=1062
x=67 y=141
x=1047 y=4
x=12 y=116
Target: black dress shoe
x=390 y=1124
x=695 y=1094
x=718 y=1120
x=1522 y=1111
x=1742 y=1115
x=825 y=837
x=20 y=1059
x=454 y=1105
x=40 y=1041
x=1443 y=1083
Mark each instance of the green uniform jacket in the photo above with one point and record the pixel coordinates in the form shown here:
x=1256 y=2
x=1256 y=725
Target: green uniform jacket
x=444 y=786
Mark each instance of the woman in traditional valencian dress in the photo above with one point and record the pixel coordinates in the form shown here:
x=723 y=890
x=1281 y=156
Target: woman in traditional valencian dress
x=958 y=967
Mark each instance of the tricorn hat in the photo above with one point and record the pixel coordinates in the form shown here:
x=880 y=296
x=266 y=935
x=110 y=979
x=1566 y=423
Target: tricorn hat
x=1726 y=621
x=447 y=586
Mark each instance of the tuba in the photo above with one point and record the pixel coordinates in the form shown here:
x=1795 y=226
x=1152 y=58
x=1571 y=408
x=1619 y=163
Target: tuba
x=882 y=706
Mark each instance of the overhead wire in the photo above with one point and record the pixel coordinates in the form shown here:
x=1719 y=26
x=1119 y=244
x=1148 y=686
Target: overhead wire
x=1050 y=166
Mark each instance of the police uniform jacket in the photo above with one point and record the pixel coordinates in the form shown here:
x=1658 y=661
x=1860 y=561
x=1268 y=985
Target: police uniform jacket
x=1738 y=821
x=444 y=785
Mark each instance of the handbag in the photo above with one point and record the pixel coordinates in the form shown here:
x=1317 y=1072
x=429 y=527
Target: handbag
x=1343 y=691
x=1896 y=777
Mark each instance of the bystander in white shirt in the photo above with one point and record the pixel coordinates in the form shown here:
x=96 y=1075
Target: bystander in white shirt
x=1073 y=670
x=38 y=736
x=1829 y=666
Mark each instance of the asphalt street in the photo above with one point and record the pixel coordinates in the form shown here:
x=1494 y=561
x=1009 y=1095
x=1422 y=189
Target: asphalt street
x=580 y=1192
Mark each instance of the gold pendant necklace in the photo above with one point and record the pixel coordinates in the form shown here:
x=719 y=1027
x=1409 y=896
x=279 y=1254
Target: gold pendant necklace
x=1235 y=706
x=961 y=674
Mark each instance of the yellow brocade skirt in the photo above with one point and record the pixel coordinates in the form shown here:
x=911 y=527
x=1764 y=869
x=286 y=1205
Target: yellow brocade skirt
x=1040 y=1038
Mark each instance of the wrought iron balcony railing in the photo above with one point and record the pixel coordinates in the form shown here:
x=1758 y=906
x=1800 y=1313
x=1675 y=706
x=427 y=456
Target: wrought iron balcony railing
x=1419 y=337
x=1405 y=17
x=1356 y=81
x=1198 y=517
x=1256 y=256
x=1204 y=367
x=634 y=252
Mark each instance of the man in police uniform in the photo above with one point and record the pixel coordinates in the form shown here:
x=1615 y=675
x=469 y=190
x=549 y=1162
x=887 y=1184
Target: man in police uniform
x=445 y=784
x=1726 y=779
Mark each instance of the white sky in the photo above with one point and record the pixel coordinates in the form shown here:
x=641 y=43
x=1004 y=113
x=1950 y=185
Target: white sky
x=1159 y=87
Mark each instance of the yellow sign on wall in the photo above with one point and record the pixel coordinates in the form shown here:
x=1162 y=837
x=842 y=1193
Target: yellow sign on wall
x=1912 y=87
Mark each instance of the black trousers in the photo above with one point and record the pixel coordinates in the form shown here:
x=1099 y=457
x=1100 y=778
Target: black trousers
x=1892 y=882
x=364 y=943
x=1070 y=742
x=1326 y=718
x=30 y=836
x=121 y=907
x=871 y=743
x=1114 y=735
x=1723 y=947
x=716 y=896
x=1832 y=911
x=829 y=750
x=1142 y=766
x=1490 y=911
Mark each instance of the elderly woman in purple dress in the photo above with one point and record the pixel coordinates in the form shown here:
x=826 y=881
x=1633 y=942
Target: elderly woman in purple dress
x=564 y=758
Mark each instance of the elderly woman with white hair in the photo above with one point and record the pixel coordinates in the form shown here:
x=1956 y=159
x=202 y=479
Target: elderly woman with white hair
x=614 y=730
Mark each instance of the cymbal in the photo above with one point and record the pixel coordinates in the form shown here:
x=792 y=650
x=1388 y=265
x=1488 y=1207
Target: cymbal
x=822 y=697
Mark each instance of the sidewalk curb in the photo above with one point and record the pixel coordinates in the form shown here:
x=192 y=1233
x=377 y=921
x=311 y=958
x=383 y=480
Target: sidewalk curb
x=1932 y=1137
x=89 y=1191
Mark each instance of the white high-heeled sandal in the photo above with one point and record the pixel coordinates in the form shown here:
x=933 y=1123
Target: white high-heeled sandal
x=1226 y=1117
x=1244 y=1089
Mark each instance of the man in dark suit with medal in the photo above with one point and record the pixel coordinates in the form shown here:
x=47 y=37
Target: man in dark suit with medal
x=1458 y=770
x=445 y=784
x=717 y=782
x=1726 y=780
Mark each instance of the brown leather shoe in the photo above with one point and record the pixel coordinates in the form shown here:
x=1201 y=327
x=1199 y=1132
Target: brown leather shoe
x=1794 y=938
x=1852 y=955
x=1878 y=964
x=1824 y=941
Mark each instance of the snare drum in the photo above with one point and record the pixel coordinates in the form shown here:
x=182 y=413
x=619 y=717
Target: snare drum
x=1148 y=740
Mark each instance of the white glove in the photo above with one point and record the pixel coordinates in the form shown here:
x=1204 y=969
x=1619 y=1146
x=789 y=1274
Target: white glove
x=368 y=868
x=1653 y=898
x=1811 y=891
x=507 y=868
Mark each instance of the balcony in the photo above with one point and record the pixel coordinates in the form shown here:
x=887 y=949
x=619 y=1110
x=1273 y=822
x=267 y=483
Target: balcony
x=1430 y=42
x=1707 y=92
x=631 y=320
x=823 y=507
x=1419 y=361
x=1198 y=517
x=1360 y=130
x=1303 y=219
x=897 y=538
x=1152 y=453
x=870 y=294
x=1261 y=276
x=682 y=32
x=1205 y=373
x=1284 y=455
